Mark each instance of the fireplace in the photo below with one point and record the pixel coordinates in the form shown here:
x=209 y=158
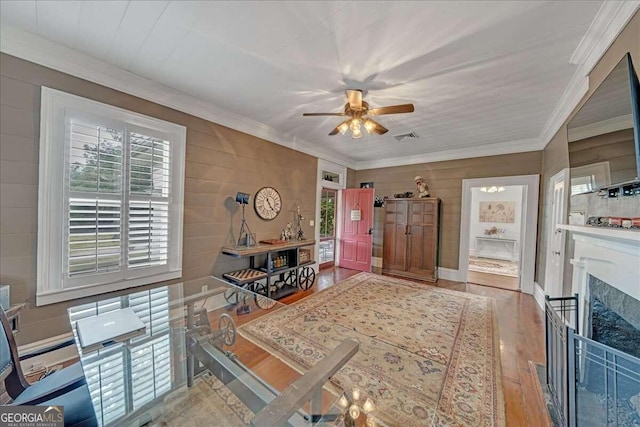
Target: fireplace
x=606 y=353
x=608 y=313
x=606 y=265
x=614 y=317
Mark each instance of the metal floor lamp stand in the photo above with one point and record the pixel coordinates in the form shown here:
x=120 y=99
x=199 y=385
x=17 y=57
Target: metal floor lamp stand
x=245 y=233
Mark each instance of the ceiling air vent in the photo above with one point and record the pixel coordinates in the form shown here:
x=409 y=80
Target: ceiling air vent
x=403 y=136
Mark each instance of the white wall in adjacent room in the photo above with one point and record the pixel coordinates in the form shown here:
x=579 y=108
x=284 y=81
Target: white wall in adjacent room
x=512 y=230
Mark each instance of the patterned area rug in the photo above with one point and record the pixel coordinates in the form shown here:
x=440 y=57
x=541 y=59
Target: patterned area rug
x=494 y=266
x=207 y=403
x=428 y=356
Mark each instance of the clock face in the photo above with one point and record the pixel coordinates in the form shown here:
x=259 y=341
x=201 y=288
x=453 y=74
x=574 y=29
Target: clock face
x=267 y=203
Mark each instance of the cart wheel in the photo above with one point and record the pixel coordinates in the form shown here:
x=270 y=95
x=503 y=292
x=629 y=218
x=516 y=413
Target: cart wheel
x=289 y=278
x=231 y=296
x=228 y=328
x=261 y=297
x=260 y=288
x=307 y=278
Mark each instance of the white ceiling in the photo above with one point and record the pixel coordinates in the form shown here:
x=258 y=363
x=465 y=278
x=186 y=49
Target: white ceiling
x=480 y=74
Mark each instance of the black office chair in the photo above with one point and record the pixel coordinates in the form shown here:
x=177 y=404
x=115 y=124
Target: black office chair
x=67 y=387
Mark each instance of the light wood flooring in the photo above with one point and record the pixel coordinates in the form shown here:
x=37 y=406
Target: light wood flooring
x=521 y=340
x=494 y=280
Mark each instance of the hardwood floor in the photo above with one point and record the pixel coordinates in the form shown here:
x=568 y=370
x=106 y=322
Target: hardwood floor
x=494 y=280
x=521 y=326
x=521 y=340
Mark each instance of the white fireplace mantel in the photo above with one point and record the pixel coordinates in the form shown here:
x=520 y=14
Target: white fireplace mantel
x=612 y=255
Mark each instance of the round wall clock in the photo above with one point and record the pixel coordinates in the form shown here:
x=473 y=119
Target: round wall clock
x=267 y=203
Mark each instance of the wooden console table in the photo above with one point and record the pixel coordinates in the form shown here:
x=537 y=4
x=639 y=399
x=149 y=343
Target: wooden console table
x=296 y=274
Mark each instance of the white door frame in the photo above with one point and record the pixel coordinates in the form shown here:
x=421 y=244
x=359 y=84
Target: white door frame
x=341 y=171
x=551 y=229
x=531 y=191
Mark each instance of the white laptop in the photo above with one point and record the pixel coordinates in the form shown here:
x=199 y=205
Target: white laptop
x=102 y=330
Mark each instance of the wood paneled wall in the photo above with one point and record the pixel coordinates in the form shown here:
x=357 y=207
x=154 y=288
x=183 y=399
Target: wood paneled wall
x=219 y=163
x=445 y=181
x=556 y=154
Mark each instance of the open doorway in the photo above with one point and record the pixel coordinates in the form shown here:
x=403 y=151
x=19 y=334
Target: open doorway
x=328 y=208
x=510 y=240
x=495 y=236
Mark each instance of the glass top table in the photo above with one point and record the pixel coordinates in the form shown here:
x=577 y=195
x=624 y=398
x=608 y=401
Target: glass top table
x=190 y=366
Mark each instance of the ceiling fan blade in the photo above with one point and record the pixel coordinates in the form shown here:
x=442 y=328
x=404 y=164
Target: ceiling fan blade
x=323 y=114
x=355 y=99
x=378 y=129
x=337 y=129
x=393 y=109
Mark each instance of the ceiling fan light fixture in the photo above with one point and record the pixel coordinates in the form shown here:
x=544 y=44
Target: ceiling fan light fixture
x=357 y=109
x=369 y=125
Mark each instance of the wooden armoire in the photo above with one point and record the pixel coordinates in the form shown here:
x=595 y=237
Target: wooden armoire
x=410 y=238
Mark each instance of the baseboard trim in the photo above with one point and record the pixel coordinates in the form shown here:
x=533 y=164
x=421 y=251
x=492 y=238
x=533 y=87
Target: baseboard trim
x=51 y=358
x=538 y=294
x=449 y=274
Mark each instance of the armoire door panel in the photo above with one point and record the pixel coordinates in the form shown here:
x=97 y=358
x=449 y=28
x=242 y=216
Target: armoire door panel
x=396 y=212
x=394 y=253
x=410 y=238
x=421 y=244
x=428 y=219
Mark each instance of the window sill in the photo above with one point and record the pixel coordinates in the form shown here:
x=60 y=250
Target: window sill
x=59 y=295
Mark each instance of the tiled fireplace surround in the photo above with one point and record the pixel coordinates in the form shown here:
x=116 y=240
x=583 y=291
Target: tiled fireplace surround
x=606 y=262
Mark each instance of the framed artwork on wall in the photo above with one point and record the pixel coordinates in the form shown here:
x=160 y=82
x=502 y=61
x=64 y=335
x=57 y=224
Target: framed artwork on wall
x=502 y=212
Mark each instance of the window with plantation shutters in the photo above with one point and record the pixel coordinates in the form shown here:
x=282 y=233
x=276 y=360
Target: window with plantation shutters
x=111 y=192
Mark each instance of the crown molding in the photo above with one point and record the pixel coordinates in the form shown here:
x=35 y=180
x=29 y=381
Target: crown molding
x=611 y=18
x=41 y=51
x=578 y=86
x=520 y=146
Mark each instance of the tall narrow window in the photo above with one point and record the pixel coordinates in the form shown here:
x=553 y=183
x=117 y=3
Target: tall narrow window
x=327 y=227
x=111 y=191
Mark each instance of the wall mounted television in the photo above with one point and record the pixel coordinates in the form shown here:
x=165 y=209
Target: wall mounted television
x=604 y=135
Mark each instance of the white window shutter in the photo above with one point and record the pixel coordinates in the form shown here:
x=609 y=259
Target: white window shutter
x=110 y=198
x=95 y=158
x=95 y=236
x=148 y=243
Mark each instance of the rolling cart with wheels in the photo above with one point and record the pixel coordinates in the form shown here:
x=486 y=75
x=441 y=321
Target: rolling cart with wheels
x=287 y=268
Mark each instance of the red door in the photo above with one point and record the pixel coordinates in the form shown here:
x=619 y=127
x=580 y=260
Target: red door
x=356 y=239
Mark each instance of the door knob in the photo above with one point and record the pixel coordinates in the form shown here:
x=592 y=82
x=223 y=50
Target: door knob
x=370 y=230
x=555 y=252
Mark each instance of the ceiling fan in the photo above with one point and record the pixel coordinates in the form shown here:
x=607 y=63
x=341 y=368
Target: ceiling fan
x=357 y=110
